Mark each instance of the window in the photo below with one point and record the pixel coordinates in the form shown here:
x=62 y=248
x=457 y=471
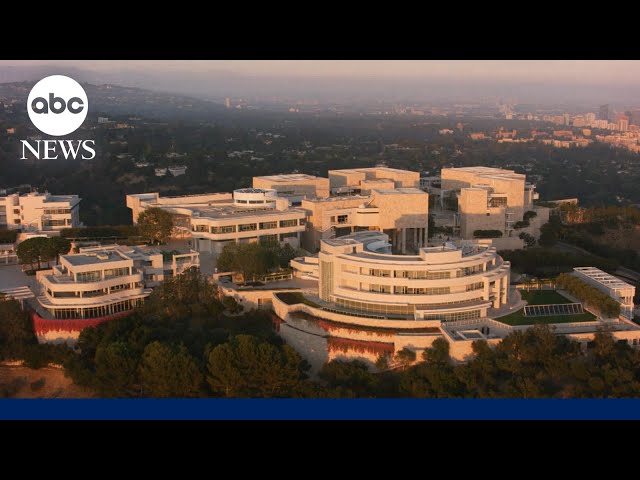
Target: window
x=224 y=229
x=380 y=288
x=16 y=211
x=241 y=201
x=288 y=223
x=53 y=223
x=449 y=317
x=422 y=275
x=117 y=288
x=201 y=228
x=378 y=308
x=376 y=272
x=405 y=290
x=268 y=225
x=333 y=219
x=463 y=272
x=343 y=218
x=498 y=202
x=17 y=221
x=302 y=221
x=475 y=286
x=268 y=238
x=89 y=276
x=116 y=272
x=255 y=202
x=57 y=211
x=247 y=227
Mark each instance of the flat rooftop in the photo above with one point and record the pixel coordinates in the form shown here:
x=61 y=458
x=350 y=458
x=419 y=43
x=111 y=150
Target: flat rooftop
x=94 y=258
x=490 y=172
x=338 y=198
x=233 y=211
x=373 y=169
x=400 y=191
x=290 y=177
x=603 y=278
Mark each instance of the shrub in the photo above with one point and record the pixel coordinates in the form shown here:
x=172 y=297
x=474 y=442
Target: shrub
x=487 y=233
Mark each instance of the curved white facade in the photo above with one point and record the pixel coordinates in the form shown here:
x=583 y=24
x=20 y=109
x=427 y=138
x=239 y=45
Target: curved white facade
x=106 y=280
x=440 y=283
x=255 y=196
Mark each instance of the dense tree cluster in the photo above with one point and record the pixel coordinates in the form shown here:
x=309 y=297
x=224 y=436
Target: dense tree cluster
x=254 y=259
x=534 y=363
x=18 y=342
x=589 y=294
x=34 y=251
x=546 y=262
x=181 y=344
x=122 y=231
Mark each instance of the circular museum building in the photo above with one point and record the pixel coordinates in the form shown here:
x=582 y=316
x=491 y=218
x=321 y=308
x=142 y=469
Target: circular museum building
x=358 y=274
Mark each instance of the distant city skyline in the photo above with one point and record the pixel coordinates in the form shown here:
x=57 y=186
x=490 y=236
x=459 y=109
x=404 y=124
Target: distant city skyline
x=584 y=82
x=620 y=72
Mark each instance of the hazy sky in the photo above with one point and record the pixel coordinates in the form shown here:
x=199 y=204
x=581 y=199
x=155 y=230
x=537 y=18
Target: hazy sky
x=589 y=72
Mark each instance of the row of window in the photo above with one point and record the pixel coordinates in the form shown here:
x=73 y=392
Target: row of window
x=375 y=307
x=95 y=293
x=56 y=223
x=248 y=227
x=419 y=274
x=451 y=317
x=96 y=312
x=96 y=275
x=254 y=202
x=56 y=211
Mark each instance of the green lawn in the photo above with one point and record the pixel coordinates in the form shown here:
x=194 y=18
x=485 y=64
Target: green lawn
x=518 y=318
x=543 y=297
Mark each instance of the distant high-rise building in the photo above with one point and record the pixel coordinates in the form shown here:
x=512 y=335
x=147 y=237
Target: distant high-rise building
x=590 y=118
x=567 y=119
x=227 y=102
x=623 y=123
x=604 y=112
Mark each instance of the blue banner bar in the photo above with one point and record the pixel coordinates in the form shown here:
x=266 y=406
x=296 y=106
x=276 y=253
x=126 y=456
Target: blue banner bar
x=319 y=409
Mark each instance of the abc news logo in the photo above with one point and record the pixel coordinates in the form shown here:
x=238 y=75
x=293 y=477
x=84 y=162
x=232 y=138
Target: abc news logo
x=57 y=106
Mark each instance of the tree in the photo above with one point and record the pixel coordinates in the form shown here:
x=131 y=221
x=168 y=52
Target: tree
x=155 y=224
x=405 y=357
x=15 y=328
x=33 y=250
x=250 y=259
x=548 y=236
x=247 y=366
x=529 y=240
x=284 y=254
x=431 y=226
x=382 y=362
x=487 y=233
x=351 y=378
x=168 y=371
x=438 y=353
x=55 y=247
x=116 y=368
x=231 y=305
